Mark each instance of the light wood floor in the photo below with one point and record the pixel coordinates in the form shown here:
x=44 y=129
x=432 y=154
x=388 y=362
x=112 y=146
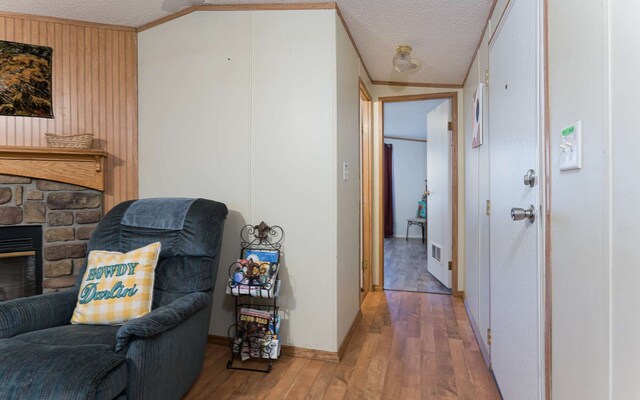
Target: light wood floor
x=405 y=267
x=406 y=346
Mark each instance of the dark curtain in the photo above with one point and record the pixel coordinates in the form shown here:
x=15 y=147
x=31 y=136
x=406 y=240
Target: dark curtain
x=387 y=188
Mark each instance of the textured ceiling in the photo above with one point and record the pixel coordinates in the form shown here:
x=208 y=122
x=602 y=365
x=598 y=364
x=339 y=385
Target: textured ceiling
x=443 y=33
x=408 y=118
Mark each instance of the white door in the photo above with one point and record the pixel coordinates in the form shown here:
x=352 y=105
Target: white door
x=439 y=214
x=516 y=277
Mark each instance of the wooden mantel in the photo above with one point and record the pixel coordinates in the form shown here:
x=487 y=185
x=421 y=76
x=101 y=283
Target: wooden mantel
x=75 y=166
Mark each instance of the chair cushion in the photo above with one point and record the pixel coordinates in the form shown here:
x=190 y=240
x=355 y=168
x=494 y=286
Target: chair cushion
x=73 y=335
x=201 y=231
x=42 y=371
x=113 y=384
x=145 y=213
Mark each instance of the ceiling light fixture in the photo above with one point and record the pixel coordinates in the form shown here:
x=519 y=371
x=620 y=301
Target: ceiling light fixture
x=402 y=60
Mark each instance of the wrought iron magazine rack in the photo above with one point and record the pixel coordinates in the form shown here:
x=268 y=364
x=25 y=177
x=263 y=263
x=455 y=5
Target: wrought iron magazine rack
x=254 y=283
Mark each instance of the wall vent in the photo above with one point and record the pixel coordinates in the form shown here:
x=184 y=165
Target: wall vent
x=436 y=252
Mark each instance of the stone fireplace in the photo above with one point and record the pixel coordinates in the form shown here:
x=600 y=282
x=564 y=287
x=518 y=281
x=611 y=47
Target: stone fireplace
x=67 y=214
x=56 y=193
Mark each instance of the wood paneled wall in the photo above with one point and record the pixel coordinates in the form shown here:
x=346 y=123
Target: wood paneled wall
x=94 y=91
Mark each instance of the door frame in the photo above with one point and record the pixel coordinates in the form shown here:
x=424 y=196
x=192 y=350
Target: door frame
x=366 y=192
x=546 y=157
x=453 y=98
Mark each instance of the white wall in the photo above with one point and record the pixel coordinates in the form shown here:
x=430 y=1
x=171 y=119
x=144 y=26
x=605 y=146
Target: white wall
x=347 y=138
x=477 y=189
x=240 y=107
x=406 y=119
x=386 y=91
x=409 y=174
x=625 y=198
x=580 y=204
x=185 y=116
x=593 y=63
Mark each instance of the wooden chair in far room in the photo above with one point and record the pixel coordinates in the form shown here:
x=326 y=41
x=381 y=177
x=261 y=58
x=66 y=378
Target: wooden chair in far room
x=419 y=220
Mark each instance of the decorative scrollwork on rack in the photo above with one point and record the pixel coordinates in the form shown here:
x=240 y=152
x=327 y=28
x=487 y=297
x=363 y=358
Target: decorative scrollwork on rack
x=262 y=236
x=255 y=345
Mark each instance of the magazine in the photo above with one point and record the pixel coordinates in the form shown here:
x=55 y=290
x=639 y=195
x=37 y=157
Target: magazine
x=257 y=335
x=255 y=279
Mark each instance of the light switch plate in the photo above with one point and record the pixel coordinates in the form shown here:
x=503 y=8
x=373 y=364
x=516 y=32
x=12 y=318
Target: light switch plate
x=571 y=147
x=345 y=171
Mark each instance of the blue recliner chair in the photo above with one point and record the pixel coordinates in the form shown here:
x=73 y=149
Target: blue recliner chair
x=157 y=356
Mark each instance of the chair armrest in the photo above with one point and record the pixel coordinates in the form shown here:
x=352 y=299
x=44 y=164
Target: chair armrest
x=36 y=312
x=161 y=319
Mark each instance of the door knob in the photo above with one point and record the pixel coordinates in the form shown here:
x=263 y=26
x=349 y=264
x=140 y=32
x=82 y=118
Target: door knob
x=518 y=214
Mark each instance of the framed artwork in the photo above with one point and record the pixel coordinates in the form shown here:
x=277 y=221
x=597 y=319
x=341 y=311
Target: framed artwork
x=25 y=80
x=477 y=117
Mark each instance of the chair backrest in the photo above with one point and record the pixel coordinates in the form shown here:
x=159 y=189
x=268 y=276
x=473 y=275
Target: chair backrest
x=422 y=209
x=190 y=231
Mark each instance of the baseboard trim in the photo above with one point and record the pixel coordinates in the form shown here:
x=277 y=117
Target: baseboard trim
x=347 y=339
x=478 y=336
x=287 y=350
x=313 y=354
x=377 y=288
x=302 y=352
x=459 y=293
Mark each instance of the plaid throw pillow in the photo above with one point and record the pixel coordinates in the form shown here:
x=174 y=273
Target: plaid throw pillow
x=117 y=287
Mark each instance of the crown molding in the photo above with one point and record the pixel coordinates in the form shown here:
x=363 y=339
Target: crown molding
x=261 y=7
x=420 y=84
x=57 y=20
x=475 y=52
x=239 y=7
x=353 y=42
x=315 y=6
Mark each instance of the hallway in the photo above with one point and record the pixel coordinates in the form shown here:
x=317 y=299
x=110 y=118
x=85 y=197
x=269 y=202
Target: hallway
x=406 y=346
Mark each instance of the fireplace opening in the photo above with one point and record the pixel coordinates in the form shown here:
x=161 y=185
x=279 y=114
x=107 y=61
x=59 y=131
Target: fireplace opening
x=20 y=262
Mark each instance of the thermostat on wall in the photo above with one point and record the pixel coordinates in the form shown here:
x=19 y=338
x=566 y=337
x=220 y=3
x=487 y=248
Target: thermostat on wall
x=571 y=147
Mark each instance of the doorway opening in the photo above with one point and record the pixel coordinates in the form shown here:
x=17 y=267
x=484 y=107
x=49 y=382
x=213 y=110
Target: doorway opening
x=418 y=197
x=366 y=191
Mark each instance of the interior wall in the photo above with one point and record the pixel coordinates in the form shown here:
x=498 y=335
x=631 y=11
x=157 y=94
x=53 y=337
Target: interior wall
x=242 y=128
x=625 y=196
x=94 y=91
x=409 y=174
x=592 y=78
x=477 y=190
x=347 y=139
x=407 y=119
x=580 y=254
x=388 y=91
